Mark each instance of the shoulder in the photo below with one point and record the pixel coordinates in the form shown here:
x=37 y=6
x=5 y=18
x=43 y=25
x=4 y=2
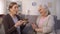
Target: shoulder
x=51 y=16
x=5 y=19
x=6 y=16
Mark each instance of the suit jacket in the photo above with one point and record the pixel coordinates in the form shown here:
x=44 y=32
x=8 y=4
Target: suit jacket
x=48 y=25
x=9 y=25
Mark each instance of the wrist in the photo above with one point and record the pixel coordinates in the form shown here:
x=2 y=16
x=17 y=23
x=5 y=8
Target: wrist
x=15 y=26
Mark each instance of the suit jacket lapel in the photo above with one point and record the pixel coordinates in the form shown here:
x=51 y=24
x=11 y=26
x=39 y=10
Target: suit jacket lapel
x=11 y=20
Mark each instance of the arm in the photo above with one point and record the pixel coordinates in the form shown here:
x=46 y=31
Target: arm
x=49 y=26
x=8 y=30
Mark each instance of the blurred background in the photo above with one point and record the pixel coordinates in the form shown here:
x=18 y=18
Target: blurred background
x=29 y=8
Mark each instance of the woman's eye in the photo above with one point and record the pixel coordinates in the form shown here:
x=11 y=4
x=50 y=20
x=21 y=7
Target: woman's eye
x=39 y=9
x=16 y=7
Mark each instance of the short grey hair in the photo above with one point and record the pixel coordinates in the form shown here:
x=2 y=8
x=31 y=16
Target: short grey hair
x=46 y=7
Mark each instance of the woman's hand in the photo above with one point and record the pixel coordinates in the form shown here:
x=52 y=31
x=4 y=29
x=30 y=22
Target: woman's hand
x=25 y=21
x=19 y=23
x=34 y=26
x=39 y=29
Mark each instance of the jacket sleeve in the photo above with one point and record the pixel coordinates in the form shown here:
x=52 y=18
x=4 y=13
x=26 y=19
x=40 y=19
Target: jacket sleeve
x=7 y=29
x=49 y=26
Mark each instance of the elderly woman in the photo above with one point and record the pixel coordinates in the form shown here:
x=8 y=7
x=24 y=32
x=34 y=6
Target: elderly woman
x=45 y=22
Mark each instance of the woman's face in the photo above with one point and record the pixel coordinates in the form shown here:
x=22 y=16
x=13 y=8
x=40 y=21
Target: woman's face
x=42 y=11
x=14 y=9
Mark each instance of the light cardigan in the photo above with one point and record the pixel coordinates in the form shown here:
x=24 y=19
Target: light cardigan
x=48 y=25
x=42 y=20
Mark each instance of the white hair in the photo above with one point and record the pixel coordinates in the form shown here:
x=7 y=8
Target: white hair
x=46 y=8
